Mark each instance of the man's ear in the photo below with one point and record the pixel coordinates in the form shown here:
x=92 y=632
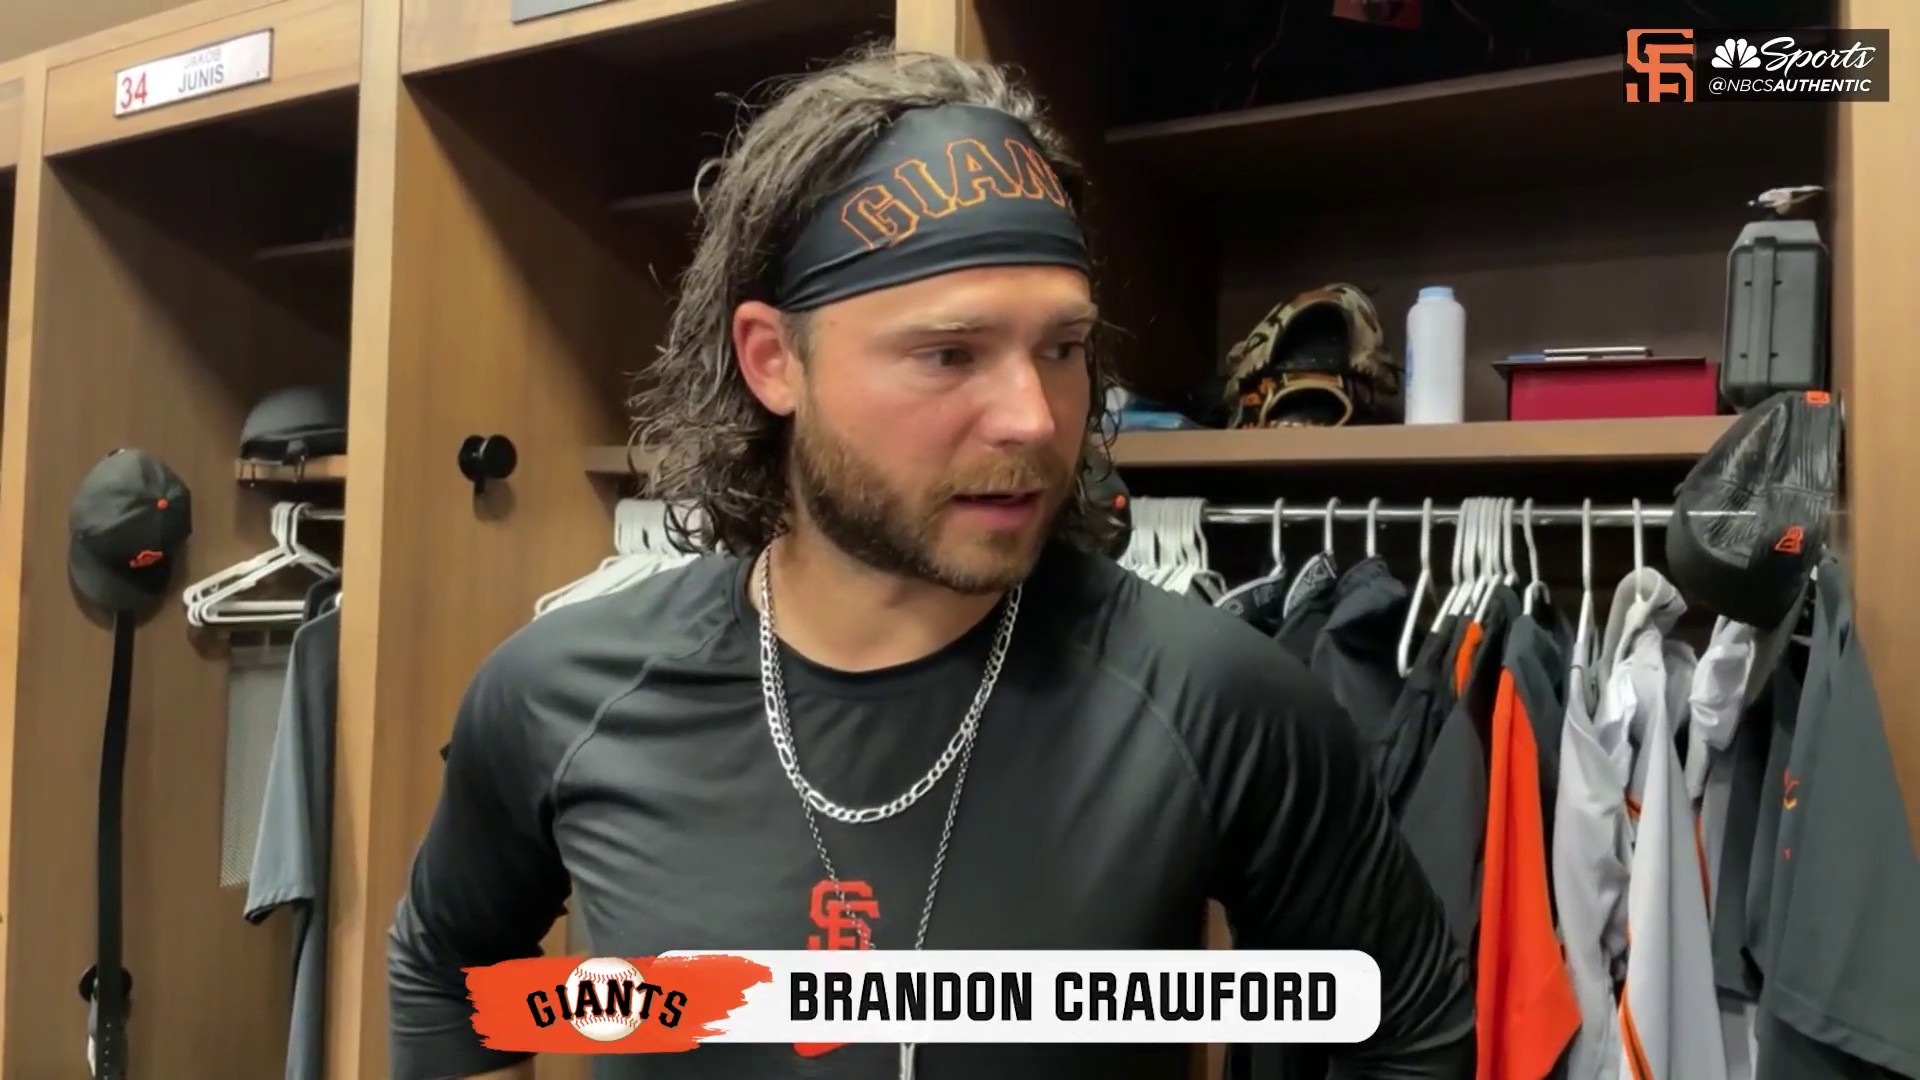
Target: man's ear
x=768 y=361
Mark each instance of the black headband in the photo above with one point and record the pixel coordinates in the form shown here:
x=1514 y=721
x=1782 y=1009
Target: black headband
x=946 y=188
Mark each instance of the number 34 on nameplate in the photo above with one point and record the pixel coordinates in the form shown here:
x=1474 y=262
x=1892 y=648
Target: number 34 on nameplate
x=209 y=69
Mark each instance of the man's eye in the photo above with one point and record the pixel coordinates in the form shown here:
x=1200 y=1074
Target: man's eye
x=1069 y=350
x=947 y=357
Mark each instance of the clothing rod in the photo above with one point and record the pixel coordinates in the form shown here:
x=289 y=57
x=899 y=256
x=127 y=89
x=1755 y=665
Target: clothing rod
x=1308 y=513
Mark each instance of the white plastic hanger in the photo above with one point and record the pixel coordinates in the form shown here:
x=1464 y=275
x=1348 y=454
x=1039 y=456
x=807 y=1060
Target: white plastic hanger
x=1534 y=584
x=1207 y=580
x=1160 y=552
x=1639 y=556
x=1500 y=552
x=213 y=600
x=1193 y=543
x=1486 y=555
x=1462 y=524
x=1506 y=544
x=1496 y=568
x=277 y=527
x=1487 y=551
x=642 y=549
x=1373 y=528
x=1138 y=557
x=1421 y=586
x=1168 y=556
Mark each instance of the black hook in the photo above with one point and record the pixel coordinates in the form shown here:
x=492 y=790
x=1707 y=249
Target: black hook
x=487 y=457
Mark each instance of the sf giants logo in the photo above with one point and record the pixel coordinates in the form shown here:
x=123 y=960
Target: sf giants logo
x=967 y=175
x=843 y=925
x=1659 y=65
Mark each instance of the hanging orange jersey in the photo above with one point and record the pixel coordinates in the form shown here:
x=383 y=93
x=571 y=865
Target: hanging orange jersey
x=1524 y=996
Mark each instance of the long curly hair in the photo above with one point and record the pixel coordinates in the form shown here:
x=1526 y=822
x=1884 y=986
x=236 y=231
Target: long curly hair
x=711 y=445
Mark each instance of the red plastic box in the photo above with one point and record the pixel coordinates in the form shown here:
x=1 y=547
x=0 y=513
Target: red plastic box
x=1583 y=389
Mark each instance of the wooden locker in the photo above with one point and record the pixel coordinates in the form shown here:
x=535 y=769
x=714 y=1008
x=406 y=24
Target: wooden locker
x=175 y=264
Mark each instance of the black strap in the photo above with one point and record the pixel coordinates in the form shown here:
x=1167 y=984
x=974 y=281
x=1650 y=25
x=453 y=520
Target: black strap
x=110 y=996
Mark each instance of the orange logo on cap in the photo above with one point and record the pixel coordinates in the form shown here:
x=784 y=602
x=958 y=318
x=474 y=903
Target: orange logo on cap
x=1792 y=540
x=146 y=558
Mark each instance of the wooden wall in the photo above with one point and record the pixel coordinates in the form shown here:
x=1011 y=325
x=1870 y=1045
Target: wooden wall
x=27 y=27
x=1874 y=324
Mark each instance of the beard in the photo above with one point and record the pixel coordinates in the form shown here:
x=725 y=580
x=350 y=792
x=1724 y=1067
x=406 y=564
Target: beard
x=856 y=509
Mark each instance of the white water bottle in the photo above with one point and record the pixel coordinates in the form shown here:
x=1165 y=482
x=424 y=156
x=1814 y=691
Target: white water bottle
x=1436 y=358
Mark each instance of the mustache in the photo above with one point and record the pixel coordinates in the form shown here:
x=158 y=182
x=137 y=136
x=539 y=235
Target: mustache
x=1025 y=472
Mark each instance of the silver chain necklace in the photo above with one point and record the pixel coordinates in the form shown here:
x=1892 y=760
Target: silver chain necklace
x=959 y=748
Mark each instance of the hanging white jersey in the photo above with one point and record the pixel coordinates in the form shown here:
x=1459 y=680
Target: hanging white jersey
x=1589 y=864
x=1717 y=704
x=1669 y=1011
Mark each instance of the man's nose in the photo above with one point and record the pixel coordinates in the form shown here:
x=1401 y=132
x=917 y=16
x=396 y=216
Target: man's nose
x=1019 y=410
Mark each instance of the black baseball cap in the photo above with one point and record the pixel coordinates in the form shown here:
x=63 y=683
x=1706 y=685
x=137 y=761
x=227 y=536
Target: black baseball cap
x=130 y=517
x=1750 y=521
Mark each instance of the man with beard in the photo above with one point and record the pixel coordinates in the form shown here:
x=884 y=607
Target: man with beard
x=899 y=704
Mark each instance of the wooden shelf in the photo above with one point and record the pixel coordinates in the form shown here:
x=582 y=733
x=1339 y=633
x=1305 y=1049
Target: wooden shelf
x=1537 y=442
x=1540 y=125
x=320 y=470
x=1676 y=439
x=314 y=252
x=669 y=209
x=616 y=461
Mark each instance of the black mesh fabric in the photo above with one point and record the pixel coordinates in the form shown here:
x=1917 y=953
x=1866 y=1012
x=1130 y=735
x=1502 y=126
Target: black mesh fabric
x=1750 y=520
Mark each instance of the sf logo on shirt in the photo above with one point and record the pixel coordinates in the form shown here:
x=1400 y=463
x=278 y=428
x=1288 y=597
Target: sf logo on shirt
x=845 y=920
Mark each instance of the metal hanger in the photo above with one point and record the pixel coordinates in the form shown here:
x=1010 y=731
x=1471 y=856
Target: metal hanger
x=1583 y=634
x=1423 y=585
x=1278 y=574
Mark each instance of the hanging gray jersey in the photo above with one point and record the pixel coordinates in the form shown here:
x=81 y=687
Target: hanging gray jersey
x=291 y=857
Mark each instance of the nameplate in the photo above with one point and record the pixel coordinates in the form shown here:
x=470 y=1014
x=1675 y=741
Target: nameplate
x=524 y=10
x=207 y=70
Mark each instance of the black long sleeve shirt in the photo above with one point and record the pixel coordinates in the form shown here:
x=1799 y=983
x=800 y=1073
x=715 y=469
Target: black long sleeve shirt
x=1141 y=753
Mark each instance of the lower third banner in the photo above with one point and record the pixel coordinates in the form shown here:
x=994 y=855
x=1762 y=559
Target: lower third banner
x=821 y=999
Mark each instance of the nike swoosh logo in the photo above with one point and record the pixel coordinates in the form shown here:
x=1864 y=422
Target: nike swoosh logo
x=813 y=1050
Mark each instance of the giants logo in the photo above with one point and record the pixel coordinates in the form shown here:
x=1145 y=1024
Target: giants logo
x=889 y=212
x=847 y=925
x=843 y=925
x=1659 y=65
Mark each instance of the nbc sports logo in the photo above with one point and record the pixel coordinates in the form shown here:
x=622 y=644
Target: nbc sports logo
x=1735 y=53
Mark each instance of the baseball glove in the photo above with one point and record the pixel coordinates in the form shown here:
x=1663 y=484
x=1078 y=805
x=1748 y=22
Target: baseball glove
x=1318 y=360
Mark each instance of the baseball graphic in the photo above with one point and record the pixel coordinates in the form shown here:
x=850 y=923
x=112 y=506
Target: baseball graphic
x=604 y=973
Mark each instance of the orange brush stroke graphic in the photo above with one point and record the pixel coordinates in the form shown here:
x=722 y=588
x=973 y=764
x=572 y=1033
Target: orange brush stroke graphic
x=509 y=998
